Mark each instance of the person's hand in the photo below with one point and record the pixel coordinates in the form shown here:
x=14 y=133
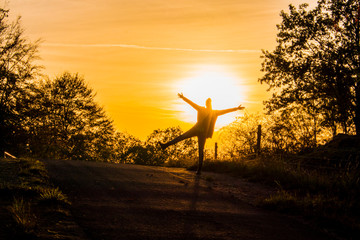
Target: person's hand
x=180 y=95
x=240 y=107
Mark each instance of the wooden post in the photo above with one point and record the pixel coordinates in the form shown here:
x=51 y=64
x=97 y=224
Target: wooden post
x=216 y=150
x=258 y=144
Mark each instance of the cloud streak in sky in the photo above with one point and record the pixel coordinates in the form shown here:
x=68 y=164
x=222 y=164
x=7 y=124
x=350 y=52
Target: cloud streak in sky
x=151 y=48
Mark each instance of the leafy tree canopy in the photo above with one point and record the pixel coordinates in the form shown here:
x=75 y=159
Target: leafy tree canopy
x=69 y=121
x=17 y=68
x=316 y=63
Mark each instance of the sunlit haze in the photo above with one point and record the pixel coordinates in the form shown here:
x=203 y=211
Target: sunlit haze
x=217 y=82
x=137 y=55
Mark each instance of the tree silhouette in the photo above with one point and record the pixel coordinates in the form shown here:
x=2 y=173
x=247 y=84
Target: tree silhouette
x=69 y=123
x=124 y=144
x=316 y=63
x=17 y=69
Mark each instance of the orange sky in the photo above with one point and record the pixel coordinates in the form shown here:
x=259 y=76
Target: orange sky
x=137 y=54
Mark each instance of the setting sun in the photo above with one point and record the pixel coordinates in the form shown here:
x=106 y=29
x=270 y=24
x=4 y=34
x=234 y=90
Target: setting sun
x=210 y=81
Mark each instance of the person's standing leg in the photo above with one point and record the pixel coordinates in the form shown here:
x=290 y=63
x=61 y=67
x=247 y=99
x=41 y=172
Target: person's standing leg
x=201 y=144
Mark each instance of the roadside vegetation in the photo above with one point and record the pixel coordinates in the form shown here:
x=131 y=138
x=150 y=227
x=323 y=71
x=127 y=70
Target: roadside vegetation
x=328 y=198
x=31 y=207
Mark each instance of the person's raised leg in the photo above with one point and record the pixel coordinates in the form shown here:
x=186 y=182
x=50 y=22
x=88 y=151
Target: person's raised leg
x=201 y=144
x=188 y=134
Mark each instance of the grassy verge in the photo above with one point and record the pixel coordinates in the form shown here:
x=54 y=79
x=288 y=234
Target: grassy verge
x=329 y=199
x=31 y=208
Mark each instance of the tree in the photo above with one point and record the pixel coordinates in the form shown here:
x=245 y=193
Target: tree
x=124 y=145
x=69 y=123
x=17 y=69
x=293 y=131
x=316 y=63
x=239 y=137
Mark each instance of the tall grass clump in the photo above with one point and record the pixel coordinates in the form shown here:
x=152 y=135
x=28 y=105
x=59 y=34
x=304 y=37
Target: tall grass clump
x=22 y=215
x=53 y=196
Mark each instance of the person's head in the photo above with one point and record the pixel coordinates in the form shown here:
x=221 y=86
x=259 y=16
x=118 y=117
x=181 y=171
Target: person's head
x=208 y=103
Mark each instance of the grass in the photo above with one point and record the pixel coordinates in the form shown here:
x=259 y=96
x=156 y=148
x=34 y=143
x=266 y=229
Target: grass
x=35 y=208
x=330 y=197
x=53 y=196
x=22 y=215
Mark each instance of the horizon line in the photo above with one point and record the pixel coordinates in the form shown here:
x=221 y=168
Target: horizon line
x=134 y=46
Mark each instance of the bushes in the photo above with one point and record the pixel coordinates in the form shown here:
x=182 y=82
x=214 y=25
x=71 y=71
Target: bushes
x=131 y=150
x=287 y=132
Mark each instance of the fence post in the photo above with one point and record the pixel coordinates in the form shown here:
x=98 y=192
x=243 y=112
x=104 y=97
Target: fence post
x=258 y=144
x=216 y=150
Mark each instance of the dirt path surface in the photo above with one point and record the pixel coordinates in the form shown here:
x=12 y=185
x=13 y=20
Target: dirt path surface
x=115 y=201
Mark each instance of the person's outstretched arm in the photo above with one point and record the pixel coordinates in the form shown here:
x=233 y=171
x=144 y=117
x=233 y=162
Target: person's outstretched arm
x=222 y=112
x=194 y=105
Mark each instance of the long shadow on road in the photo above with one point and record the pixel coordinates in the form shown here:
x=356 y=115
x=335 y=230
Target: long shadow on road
x=116 y=201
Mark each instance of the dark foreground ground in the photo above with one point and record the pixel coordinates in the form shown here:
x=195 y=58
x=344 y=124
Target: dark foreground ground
x=115 y=201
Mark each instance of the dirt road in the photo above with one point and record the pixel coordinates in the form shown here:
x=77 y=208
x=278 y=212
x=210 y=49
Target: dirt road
x=115 y=201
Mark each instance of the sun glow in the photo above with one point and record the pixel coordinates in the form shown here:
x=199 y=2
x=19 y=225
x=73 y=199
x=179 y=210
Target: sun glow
x=210 y=81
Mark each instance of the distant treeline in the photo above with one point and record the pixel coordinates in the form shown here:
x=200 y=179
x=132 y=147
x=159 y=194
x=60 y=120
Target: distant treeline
x=313 y=74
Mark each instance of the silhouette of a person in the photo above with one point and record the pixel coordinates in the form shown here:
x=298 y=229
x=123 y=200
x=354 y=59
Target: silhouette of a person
x=204 y=127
